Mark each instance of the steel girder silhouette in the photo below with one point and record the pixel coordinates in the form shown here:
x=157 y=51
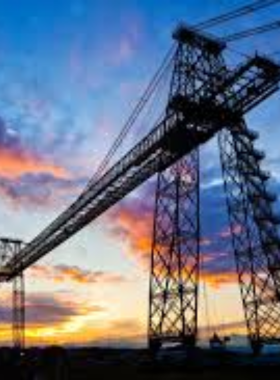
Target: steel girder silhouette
x=9 y=249
x=200 y=74
x=206 y=97
x=189 y=121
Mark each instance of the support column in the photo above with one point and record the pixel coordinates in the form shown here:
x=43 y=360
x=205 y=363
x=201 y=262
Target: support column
x=175 y=256
x=19 y=312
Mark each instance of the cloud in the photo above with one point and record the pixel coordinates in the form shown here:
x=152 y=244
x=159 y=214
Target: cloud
x=124 y=50
x=219 y=279
x=16 y=160
x=127 y=42
x=14 y=164
x=127 y=332
x=75 y=274
x=45 y=309
x=125 y=326
x=226 y=233
x=42 y=309
x=217 y=264
x=26 y=178
x=43 y=190
x=131 y=222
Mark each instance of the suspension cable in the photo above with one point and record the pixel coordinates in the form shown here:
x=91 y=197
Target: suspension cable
x=236 y=13
x=252 y=32
x=239 y=12
x=207 y=314
x=134 y=115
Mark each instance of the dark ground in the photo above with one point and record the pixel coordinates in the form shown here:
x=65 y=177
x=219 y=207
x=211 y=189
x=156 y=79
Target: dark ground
x=80 y=364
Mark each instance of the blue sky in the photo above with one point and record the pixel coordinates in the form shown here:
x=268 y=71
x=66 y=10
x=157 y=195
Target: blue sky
x=70 y=73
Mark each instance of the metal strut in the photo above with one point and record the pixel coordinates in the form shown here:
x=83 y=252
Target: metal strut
x=9 y=249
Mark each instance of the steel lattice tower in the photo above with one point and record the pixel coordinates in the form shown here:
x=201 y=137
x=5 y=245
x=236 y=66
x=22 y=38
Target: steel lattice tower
x=200 y=73
x=175 y=249
x=9 y=249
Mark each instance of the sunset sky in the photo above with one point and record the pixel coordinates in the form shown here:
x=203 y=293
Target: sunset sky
x=70 y=73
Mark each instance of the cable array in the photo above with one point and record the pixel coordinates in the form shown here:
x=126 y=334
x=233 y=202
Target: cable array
x=236 y=13
x=223 y=18
x=252 y=32
x=134 y=115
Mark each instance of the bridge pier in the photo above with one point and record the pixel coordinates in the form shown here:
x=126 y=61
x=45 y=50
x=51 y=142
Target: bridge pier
x=19 y=312
x=9 y=249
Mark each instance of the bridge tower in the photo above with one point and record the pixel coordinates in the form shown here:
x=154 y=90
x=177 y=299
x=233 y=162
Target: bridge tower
x=9 y=249
x=199 y=71
x=175 y=248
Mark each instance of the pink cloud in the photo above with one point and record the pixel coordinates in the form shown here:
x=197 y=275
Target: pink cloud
x=75 y=274
x=227 y=233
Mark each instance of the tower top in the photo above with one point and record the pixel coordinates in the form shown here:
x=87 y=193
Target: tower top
x=189 y=35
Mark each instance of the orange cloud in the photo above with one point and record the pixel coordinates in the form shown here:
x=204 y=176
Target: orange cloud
x=227 y=233
x=62 y=273
x=51 y=319
x=133 y=224
x=217 y=280
x=14 y=164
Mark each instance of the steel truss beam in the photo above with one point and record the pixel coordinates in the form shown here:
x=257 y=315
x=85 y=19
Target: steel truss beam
x=9 y=250
x=254 y=231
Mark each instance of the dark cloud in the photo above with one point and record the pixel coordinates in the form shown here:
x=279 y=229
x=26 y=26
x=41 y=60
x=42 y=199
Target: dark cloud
x=43 y=310
x=44 y=190
x=27 y=178
x=9 y=139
